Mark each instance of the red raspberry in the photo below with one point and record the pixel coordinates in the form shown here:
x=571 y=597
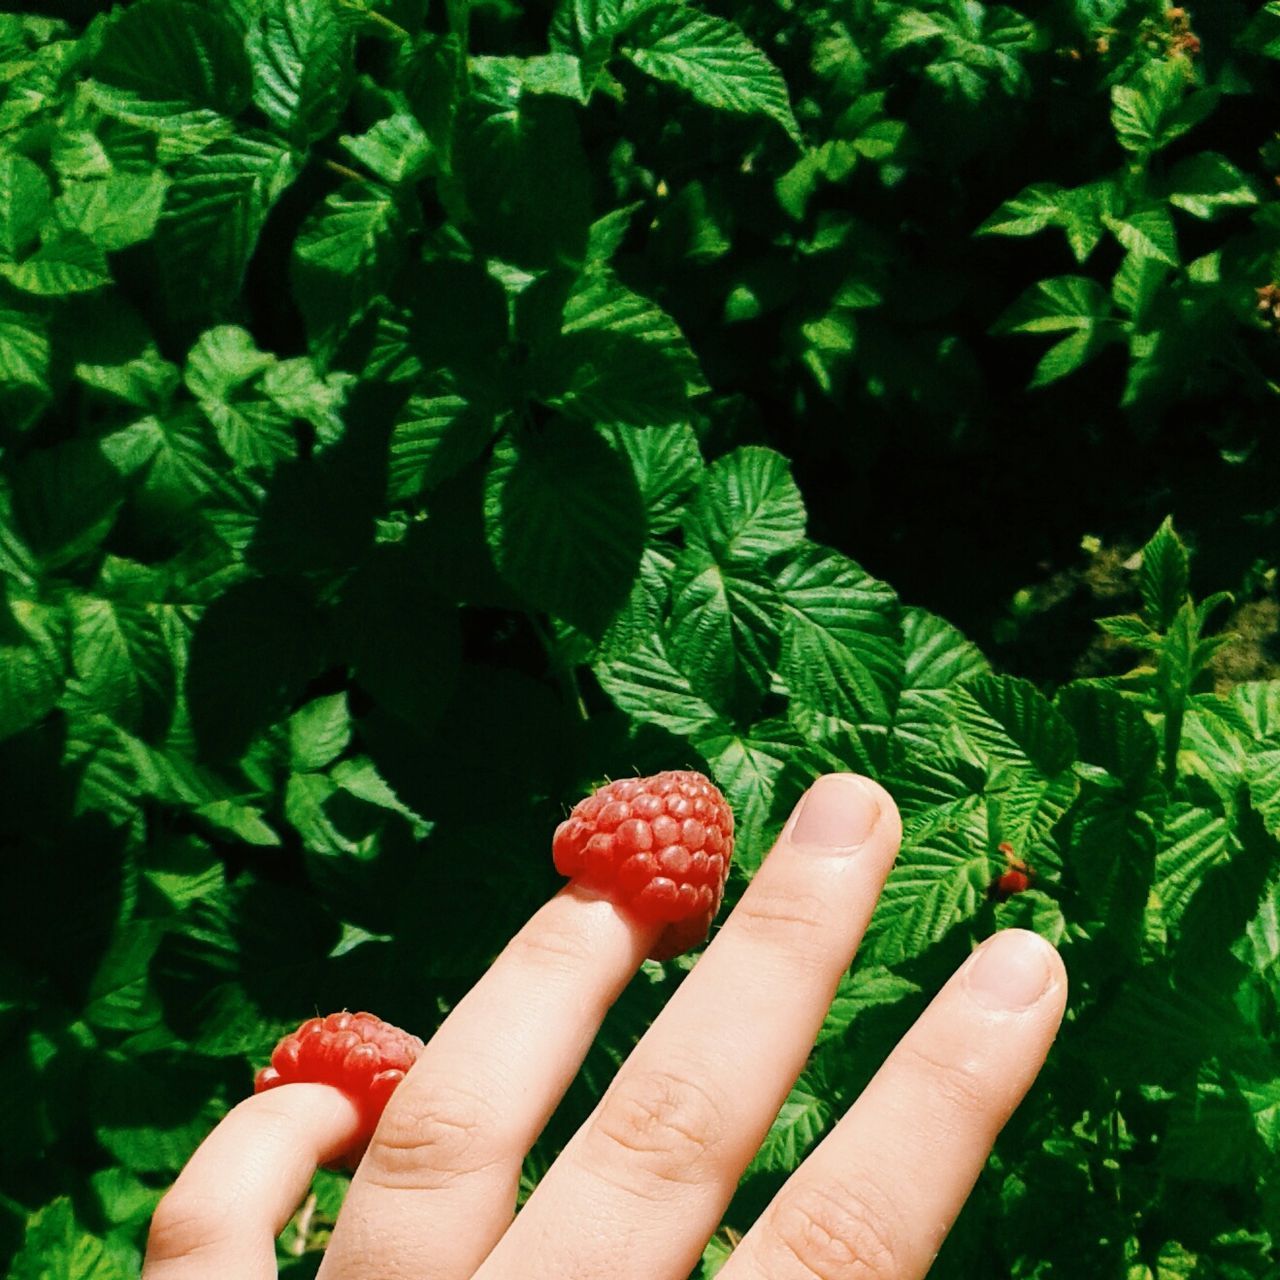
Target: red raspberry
x=355 y=1052
x=660 y=847
x=1010 y=882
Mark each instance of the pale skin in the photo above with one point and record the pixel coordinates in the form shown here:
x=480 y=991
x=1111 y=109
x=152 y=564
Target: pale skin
x=640 y=1189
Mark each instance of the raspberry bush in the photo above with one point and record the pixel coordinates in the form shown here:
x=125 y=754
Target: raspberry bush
x=411 y=415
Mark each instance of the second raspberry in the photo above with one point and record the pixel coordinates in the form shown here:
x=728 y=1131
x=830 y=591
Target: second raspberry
x=659 y=845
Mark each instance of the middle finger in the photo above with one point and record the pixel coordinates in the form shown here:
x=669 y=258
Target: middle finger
x=643 y=1184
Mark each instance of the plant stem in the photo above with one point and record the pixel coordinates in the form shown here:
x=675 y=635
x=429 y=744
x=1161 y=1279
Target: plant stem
x=302 y=1228
x=343 y=171
x=374 y=16
x=565 y=674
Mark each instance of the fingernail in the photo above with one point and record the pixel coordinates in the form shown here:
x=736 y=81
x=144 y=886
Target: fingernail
x=1011 y=971
x=838 y=812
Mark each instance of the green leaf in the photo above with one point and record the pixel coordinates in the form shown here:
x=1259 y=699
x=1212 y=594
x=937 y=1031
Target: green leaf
x=394 y=150
x=748 y=507
x=1011 y=720
x=1032 y=210
x=345 y=238
x=65 y=263
x=937 y=654
x=1147 y=233
x=1263 y=32
x=66 y=498
x=1111 y=731
x=1209 y=184
x=600 y=301
x=123 y=1199
x=402 y=639
x=222 y=370
x=522 y=190
x=747 y=767
x=1255 y=707
x=434 y=437
x=25 y=198
x=171 y=65
x=842 y=649
x=1154 y=108
x=319 y=732
x=148 y=1125
x=621 y=359
x=145 y=381
x=1130 y=628
x=25 y=389
x=216 y=208
x=932 y=793
x=647 y=685
x=799 y=1124
x=587 y=25
x=829 y=340
x=298 y=391
x=641 y=616
x=605 y=236
x=718 y=1251
x=359 y=777
x=558 y=73
x=344 y=257
x=935 y=884
x=1192 y=841
x=1083 y=211
x=114 y=212
x=301 y=55
x=121 y=662
x=668 y=465
x=1138 y=288
x=1262 y=770
x=869 y=986
x=120 y=997
x=1023 y=809
x=710 y=58
x=972 y=49
x=938 y=657
x=31 y=667
x=723 y=631
x=1164 y=576
x=184 y=871
x=187 y=465
x=565 y=522
x=97 y=755
x=1068 y=303
x=1211 y=1134
x=305 y=797
x=56 y=1247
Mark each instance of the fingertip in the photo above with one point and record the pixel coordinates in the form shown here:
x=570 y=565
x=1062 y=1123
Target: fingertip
x=330 y=1118
x=1016 y=970
x=245 y=1180
x=843 y=812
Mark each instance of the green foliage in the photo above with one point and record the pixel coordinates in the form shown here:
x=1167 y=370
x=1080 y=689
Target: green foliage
x=407 y=419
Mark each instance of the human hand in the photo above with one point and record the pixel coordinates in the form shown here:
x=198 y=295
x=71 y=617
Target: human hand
x=642 y=1186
